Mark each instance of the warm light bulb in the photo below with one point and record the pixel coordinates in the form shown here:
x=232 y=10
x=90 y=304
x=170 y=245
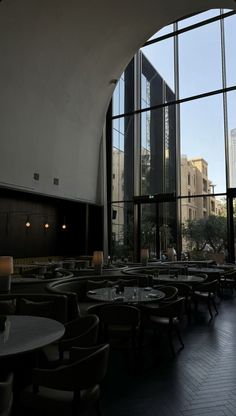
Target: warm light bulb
x=64 y=226
x=27 y=224
x=46 y=225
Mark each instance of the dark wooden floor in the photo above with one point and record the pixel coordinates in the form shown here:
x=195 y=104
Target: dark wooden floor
x=200 y=380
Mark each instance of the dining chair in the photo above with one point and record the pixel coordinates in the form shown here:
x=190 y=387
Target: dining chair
x=227 y=281
x=120 y=323
x=164 y=318
x=185 y=291
x=68 y=389
x=96 y=310
x=6 y=395
x=80 y=332
x=206 y=292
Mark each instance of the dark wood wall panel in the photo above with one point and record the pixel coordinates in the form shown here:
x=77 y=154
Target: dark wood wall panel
x=95 y=228
x=19 y=241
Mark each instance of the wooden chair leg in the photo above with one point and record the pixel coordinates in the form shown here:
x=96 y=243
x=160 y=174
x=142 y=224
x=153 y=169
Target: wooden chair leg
x=214 y=304
x=209 y=308
x=171 y=342
x=98 y=408
x=179 y=336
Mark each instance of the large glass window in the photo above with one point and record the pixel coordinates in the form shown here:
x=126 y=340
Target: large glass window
x=176 y=144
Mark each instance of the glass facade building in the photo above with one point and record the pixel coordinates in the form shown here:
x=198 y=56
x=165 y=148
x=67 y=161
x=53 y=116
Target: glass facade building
x=171 y=136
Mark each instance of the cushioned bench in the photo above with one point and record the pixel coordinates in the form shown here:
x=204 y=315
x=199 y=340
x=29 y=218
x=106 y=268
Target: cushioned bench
x=46 y=305
x=76 y=288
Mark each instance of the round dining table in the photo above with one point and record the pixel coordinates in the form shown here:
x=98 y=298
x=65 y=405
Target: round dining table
x=22 y=334
x=181 y=278
x=130 y=294
x=205 y=270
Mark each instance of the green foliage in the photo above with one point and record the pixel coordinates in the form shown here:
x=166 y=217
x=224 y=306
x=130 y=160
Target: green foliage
x=206 y=233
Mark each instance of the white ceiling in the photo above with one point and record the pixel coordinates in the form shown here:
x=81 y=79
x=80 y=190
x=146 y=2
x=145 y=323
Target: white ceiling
x=57 y=62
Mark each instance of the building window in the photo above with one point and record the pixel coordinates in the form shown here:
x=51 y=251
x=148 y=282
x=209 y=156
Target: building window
x=204 y=184
x=190 y=214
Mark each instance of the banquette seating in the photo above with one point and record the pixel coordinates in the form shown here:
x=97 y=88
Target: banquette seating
x=76 y=288
x=32 y=283
x=47 y=305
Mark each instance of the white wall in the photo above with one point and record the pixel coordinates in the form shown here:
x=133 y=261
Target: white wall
x=57 y=59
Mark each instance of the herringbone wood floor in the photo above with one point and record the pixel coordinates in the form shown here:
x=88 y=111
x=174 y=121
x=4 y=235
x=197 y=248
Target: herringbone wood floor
x=200 y=380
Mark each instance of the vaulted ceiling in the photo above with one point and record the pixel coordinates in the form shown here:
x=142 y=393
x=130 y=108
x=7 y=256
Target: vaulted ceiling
x=57 y=62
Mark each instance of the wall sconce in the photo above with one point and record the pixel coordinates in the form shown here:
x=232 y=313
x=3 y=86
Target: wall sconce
x=97 y=261
x=28 y=224
x=6 y=269
x=144 y=256
x=64 y=226
x=46 y=225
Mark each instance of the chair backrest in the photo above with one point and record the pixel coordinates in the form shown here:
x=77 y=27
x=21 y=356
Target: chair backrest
x=171 y=292
x=183 y=289
x=120 y=315
x=170 y=310
x=229 y=274
x=86 y=369
x=81 y=332
x=128 y=282
x=96 y=284
x=210 y=287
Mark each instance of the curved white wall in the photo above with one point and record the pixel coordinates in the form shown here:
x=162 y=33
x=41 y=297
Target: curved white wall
x=57 y=59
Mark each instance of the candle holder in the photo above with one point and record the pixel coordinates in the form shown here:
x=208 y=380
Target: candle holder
x=144 y=256
x=6 y=269
x=98 y=261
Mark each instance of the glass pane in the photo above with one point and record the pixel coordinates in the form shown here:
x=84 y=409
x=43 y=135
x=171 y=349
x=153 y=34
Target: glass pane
x=122 y=231
x=158 y=150
x=158 y=70
x=167 y=226
x=197 y=18
x=231 y=101
x=202 y=146
x=118 y=98
x=230 y=54
x=148 y=229
x=200 y=60
x=204 y=228
x=158 y=228
x=123 y=96
x=122 y=158
x=164 y=31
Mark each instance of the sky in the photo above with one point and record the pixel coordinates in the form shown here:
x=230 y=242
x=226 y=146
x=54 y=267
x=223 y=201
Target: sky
x=202 y=120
